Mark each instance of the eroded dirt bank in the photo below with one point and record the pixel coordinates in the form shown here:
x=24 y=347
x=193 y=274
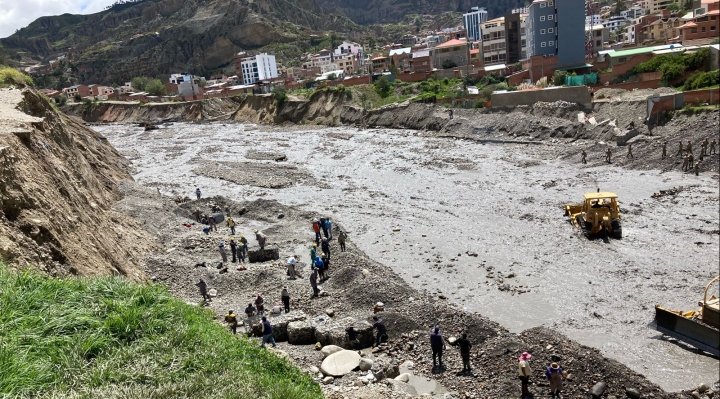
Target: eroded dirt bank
x=449 y=197
x=57 y=184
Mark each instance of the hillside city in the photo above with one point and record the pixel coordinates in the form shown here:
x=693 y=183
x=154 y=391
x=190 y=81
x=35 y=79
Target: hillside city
x=522 y=46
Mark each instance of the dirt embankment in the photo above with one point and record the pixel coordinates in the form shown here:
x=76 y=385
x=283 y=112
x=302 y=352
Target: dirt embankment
x=132 y=112
x=57 y=184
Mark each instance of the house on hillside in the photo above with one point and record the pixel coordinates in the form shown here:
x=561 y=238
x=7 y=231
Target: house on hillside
x=421 y=61
x=701 y=29
x=453 y=53
x=400 y=58
x=380 y=63
x=71 y=91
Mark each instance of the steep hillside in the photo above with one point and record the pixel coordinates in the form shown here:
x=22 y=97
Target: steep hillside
x=154 y=37
x=57 y=185
x=383 y=11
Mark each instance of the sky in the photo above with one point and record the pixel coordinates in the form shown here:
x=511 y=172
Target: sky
x=16 y=14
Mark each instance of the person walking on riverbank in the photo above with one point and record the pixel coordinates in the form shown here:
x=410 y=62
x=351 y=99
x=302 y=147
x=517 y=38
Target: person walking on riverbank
x=260 y=303
x=202 y=286
x=629 y=152
x=223 y=253
x=323 y=226
x=211 y=223
x=664 y=149
x=198 y=193
x=328 y=229
x=233 y=249
x=320 y=266
x=341 y=240
x=465 y=346
x=437 y=345
x=231 y=225
x=197 y=215
x=232 y=321
x=242 y=249
x=697 y=168
x=608 y=155
x=325 y=246
x=381 y=336
x=313 y=282
x=688 y=148
x=285 y=296
x=554 y=375
x=267 y=333
x=316 y=229
x=713 y=144
x=261 y=239
x=680 y=149
x=524 y=373
x=313 y=254
x=583 y=157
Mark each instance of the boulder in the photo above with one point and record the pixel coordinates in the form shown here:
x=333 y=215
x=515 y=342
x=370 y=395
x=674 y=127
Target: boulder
x=263 y=255
x=329 y=350
x=279 y=324
x=632 y=393
x=404 y=377
x=402 y=387
x=366 y=364
x=332 y=332
x=597 y=390
x=702 y=388
x=300 y=333
x=328 y=380
x=314 y=370
x=695 y=395
x=340 y=363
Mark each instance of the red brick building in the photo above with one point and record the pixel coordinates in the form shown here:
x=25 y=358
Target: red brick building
x=702 y=29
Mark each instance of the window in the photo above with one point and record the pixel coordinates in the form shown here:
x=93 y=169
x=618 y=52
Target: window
x=542 y=5
x=598 y=43
x=542 y=31
x=693 y=30
x=543 y=44
x=551 y=30
x=550 y=17
x=550 y=3
x=712 y=27
x=542 y=18
x=702 y=29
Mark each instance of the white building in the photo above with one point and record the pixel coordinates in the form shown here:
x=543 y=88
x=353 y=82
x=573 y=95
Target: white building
x=592 y=19
x=349 y=48
x=615 y=22
x=188 y=85
x=258 y=67
x=636 y=11
x=472 y=21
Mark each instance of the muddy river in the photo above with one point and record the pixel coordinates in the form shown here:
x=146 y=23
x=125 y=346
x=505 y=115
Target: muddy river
x=423 y=206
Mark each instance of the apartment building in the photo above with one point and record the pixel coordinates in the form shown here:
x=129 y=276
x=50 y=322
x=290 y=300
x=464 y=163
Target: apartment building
x=556 y=28
x=636 y=11
x=655 y=6
x=662 y=30
x=455 y=51
x=598 y=35
x=702 y=29
x=515 y=37
x=503 y=40
x=472 y=21
x=256 y=68
x=614 y=23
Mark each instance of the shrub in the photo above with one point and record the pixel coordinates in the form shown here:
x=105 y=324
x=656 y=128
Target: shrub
x=703 y=79
x=155 y=87
x=279 y=94
x=382 y=86
x=558 y=78
x=448 y=63
x=11 y=76
x=542 y=83
x=77 y=97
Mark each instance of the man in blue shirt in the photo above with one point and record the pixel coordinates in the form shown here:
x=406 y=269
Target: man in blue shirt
x=267 y=333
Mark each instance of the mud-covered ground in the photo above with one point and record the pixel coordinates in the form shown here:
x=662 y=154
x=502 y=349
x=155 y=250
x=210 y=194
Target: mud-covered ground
x=422 y=206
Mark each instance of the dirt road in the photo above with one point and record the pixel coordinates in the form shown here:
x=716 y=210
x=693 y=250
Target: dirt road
x=422 y=206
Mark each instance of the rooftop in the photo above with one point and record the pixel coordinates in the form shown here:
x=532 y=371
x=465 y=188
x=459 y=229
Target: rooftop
x=404 y=50
x=452 y=43
x=641 y=50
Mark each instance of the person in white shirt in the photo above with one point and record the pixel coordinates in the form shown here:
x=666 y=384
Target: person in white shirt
x=524 y=372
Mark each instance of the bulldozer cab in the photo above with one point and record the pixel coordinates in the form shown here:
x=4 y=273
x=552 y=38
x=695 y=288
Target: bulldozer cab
x=602 y=203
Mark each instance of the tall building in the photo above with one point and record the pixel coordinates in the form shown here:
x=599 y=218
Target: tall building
x=557 y=28
x=257 y=68
x=472 y=21
x=503 y=39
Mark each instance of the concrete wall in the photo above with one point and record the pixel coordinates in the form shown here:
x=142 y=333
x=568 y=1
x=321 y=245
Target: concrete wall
x=577 y=94
x=710 y=96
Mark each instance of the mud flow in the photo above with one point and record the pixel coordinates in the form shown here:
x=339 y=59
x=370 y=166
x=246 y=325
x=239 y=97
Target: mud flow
x=482 y=225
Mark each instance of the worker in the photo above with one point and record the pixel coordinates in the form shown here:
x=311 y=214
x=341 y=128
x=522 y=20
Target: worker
x=328 y=228
x=703 y=148
x=202 y=286
x=285 y=296
x=705 y=144
x=688 y=148
x=437 y=345
x=261 y=239
x=320 y=266
x=276 y=309
x=524 y=372
x=197 y=215
x=232 y=321
x=691 y=160
x=381 y=330
x=291 y=267
x=554 y=375
x=697 y=168
x=313 y=282
x=316 y=229
x=353 y=341
x=206 y=230
x=450 y=114
x=231 y=225
x=323 y=226
x=242 y=248
x=250 y=310
x=465 y=346
x=629 y=152
x=211 y=223
x=260 y=303
x=685 y=161
x=713 y=144
x=267 y=333
x=198 y=193
x=313 y=254
x=680 y=149
x=342 y=237
x=378 y=307
x=664 y=149
x=326 y=267
x=325 y=246
x=233 y=249
x=221 y=249
x=583 y=157
x=608 y=155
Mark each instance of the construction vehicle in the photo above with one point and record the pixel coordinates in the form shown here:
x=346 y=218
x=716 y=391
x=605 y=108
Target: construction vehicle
x=598 y=214
x=699 y=328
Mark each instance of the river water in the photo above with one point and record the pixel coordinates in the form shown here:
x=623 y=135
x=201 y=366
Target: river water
x=421 y=205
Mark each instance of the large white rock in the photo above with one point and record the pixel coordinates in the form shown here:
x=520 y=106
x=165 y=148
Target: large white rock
x=366 y=364
x=404 y=377
x=340 y=363
x=329 y=350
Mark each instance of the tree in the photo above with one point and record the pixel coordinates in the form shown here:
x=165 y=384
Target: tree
x=371 y=44
x=418 y=24
x=155 y=87
x=77 y=97
x=559 y=78
x=382 y=86
x=448 y=63
x=279 y=94
x=619 y=6
x=332 y=76
x=139 y=82
x=673 y=7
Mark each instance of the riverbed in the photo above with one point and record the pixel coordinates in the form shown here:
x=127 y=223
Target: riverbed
x=479 y=224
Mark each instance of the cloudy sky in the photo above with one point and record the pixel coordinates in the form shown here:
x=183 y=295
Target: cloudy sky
x=16 y=14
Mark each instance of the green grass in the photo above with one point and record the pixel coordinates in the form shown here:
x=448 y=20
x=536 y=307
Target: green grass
x=108 y=338
x=13 y=77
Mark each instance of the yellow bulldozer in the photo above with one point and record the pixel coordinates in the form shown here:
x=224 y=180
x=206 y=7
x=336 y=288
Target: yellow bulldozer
x=599 y=214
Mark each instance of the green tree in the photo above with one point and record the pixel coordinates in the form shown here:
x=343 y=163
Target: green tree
x=448 y=63
x=382 y=86
x=3 y=56
x=139 y=82
x=279 y=95
x=77 y=97
x=371 y=43
x=418 y=24
x=332 y=76
x=558 y=78
x=673 y=7
x=155 y=87
x=619 y=6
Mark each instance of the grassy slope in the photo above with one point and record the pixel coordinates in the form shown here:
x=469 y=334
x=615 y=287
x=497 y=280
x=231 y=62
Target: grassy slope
x=107 y=338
